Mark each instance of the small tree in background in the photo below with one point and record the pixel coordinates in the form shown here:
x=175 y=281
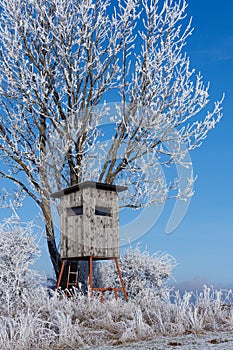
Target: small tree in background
x=141 y=271
x=18 y=251
x=61 y=59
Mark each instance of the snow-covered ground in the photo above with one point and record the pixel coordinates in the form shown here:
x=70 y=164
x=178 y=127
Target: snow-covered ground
x=203 y=341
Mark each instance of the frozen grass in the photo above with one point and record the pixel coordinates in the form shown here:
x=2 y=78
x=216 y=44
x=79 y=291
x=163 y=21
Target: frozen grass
x=32 y=317
x=39 y=321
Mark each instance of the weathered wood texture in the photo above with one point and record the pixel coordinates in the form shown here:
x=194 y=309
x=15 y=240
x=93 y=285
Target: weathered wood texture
x=94 y=231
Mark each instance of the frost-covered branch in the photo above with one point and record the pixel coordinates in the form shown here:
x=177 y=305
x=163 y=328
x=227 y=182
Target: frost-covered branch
x=63 y=62
x=18 y=251
x=141 y=271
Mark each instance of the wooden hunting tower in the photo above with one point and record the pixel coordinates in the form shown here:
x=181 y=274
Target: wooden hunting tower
x=89 y=223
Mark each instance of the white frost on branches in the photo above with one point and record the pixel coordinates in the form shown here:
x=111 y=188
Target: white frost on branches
x=18 y=251
x=59 y=60
x=142 y=272
x=62 y=62
x=32 y=318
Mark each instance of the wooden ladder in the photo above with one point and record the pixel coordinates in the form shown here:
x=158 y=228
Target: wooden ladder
x=72 y=282
x=72 y=278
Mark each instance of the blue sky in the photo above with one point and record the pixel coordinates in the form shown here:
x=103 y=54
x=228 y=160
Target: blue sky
x=203 y=242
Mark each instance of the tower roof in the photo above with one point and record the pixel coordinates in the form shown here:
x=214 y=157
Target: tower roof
x=88 y=184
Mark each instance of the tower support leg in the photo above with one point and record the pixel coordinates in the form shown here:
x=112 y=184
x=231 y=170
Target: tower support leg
x=121 y=279
x=102 y=290
x=74 y=283
x=90 y=277
x=60 y=274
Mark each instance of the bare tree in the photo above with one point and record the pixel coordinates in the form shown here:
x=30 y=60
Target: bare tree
x=61 y=61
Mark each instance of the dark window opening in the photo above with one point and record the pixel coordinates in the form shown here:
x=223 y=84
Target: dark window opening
x=75 y=211
x=103 y=211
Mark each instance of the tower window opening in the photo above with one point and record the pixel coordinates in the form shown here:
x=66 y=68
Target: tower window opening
x=75 y=211
x=103 y=211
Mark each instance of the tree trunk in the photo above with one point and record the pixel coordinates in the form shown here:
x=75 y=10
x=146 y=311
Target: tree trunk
x=51 y=243
x=53 y=253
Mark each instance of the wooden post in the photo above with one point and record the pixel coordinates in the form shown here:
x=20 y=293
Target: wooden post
x=90 y=275
x=121 y=279
x=68 y=278
x=60 y=275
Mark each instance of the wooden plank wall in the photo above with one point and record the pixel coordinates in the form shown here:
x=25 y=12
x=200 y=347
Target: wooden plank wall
x=90 y=234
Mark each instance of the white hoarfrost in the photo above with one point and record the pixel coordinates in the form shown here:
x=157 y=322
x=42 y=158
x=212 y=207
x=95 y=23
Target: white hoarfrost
x=33 y=317
x=18 y=251
x=142 y=272
x=62 y=62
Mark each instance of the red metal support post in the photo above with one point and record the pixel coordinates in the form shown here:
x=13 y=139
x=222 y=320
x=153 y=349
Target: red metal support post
x=121 y=279
x=90 y=275
x=60 y=275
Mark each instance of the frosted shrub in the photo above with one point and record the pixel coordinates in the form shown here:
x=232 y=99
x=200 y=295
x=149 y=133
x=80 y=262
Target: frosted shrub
x=18 y=251
x=140 y=271
x=37 y=319
x=32 y=318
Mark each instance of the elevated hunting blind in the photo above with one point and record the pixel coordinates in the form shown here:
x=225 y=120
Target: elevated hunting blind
x=89 y=226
